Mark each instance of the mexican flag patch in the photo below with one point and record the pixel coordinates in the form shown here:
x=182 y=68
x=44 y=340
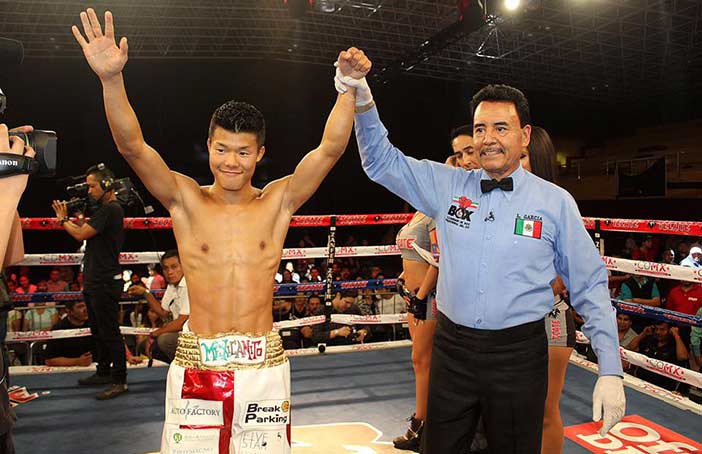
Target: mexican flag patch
x=528 y=227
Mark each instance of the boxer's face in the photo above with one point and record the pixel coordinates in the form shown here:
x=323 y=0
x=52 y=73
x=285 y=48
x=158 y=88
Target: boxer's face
x=498 y=137
x=233 y=157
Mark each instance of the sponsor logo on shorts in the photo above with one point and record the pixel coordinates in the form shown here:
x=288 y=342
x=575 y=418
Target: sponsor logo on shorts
x=266 y=413
x=256 y=442
x=195 y=412
x=193 y=441
x=228 y=350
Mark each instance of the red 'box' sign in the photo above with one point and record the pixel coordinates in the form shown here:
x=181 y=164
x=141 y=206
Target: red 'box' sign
x=633 y=435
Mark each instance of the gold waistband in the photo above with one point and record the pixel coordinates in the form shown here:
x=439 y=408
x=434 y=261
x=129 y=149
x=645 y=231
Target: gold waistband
x=188 y=353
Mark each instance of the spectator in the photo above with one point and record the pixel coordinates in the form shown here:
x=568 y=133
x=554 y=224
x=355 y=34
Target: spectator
x=683 y=250
x=695 y=341
x=135 y=278
x=79 y=280
x=314 y=305
x=668 y=257
x=626 y=333
x=55 y=284
x=287 y=277
x=336 y=271
x=72 y=351
x=629 y=246
x=645 y=251
x=640 y=290
x=391 y=303
x=299 y=309
x=66 y=274
x=338 y=334
x=155 y=281
x=25 y=286
x=293 y=275
x=292 y=337
x=137 y=317
x=693 y=260
x=663 y=343
x=74 y=287
x=314 y=274
x=14 y=320
x=281 y=309
x=42 y=287
x=174 y=306
x=144 y=344
x=303 y=269
x=40 y=318
x=686 y=297
x=626 y=337
x=366 y=302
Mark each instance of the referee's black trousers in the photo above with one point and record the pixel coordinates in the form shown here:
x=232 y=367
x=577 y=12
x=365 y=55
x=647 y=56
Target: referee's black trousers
x=501 y=375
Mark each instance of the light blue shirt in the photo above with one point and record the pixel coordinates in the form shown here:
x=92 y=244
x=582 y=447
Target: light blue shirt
x=496 y=270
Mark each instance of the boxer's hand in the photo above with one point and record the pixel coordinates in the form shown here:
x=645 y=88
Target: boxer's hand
x=609 y=393
x=353 y=63
x=100 y=50
x=351 y=69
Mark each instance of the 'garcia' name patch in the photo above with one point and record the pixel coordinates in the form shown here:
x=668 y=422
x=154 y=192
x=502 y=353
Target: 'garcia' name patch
x=529 y=226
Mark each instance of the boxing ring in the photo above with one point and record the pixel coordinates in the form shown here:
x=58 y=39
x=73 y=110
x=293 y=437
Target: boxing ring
x=350 y=399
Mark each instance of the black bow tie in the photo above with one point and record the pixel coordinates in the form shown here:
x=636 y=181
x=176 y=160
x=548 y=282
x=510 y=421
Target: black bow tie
x=488 y=185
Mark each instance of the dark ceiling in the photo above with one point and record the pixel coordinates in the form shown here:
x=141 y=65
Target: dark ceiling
x=623 y=49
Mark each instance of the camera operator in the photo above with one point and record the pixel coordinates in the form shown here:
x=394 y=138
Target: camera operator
x=102 y=275
x=339 y=334
x=11 y=251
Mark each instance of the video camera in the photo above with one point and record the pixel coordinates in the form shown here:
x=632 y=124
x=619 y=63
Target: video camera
x=125 y=192
x=44 y=143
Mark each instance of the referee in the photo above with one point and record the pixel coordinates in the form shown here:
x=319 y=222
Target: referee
x=504 y=235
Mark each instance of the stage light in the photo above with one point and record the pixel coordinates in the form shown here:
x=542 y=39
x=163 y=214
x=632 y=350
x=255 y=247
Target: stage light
x=511 y=5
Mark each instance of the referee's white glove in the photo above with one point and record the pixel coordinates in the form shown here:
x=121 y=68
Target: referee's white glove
x=608 y=393
x=342 y=84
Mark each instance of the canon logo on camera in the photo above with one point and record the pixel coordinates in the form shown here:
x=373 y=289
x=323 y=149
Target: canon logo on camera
x=9 y=162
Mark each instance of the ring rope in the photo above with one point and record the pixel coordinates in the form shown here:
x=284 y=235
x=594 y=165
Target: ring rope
x=685 y=228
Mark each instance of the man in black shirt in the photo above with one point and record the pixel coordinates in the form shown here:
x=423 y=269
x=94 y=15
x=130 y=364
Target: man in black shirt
x=338 y=334
x=102 y=277
x=71 y=351
x=663 y=343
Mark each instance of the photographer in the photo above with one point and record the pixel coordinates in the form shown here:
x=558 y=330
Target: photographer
x=11 y=250
x=102 y=275
x=664 y=343
x=338 y=334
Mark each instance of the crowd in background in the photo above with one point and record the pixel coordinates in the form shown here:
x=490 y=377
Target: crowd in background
x=674 y=344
